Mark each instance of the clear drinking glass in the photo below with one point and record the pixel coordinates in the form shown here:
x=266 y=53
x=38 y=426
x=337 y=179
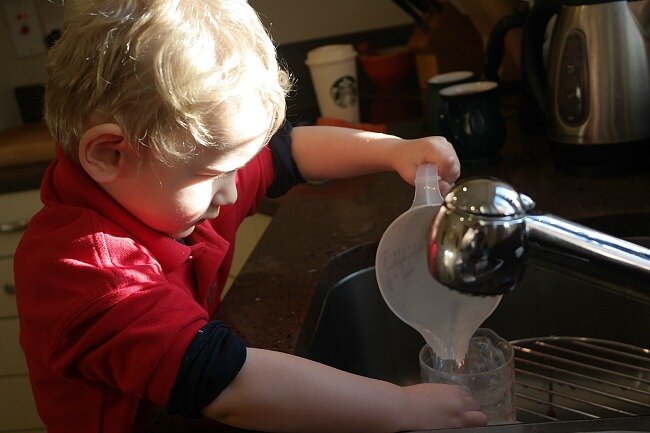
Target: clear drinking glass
x=488 y=371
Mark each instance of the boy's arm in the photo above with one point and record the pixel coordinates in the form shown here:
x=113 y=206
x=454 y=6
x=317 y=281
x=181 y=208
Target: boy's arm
x=328 y=152
x=280 y=392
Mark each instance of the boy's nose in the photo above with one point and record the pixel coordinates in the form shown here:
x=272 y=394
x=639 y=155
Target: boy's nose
x=226 y=192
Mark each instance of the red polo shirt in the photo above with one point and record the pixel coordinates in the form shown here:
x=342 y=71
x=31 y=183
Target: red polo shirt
x=108 y=306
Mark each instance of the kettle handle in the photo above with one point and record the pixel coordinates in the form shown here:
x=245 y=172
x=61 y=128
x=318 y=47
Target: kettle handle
x=532 y=56
x=494 y=49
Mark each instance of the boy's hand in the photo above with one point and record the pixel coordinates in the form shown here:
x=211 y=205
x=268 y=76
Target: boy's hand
x=409 y=154
x=434 y=405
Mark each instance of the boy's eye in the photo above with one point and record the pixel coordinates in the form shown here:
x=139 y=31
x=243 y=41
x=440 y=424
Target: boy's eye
x=226 y=174
x=218 y=175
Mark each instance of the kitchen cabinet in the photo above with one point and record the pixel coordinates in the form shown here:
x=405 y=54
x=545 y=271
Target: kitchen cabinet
x=248 y=234
x=17 y=408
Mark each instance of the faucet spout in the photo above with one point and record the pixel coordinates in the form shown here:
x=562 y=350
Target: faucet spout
x=587 y=242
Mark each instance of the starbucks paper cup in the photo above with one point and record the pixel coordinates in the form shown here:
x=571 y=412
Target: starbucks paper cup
x=333 y=72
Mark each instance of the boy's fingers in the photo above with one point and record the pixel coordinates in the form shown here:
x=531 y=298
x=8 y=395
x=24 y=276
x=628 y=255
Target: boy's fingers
x=475 y=418
x=448 y=162
x=444 y=187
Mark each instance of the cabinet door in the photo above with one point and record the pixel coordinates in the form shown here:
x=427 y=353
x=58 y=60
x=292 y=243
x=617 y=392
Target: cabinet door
x=13 y=360
x=7 y=288
x=9 y=239
x=19 y=205
x=17 y=407
x=15 y=211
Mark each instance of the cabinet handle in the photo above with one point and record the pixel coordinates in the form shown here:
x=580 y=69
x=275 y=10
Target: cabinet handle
x=10 y=289
x=13 y=226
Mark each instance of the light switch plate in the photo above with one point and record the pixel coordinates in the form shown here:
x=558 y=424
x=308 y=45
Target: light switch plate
x=24 y=27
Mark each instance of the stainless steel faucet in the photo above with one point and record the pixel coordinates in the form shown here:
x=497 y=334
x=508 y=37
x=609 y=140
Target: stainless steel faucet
x=479 y=238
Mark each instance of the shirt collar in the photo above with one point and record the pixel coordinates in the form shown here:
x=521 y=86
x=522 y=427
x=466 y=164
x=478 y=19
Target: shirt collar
x=67 y=183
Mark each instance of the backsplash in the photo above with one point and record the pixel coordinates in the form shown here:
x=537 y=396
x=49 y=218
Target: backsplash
x=289 y=21
x=301 y=106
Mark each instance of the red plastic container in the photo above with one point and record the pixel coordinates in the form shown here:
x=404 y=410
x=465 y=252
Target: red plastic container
x=388 y=68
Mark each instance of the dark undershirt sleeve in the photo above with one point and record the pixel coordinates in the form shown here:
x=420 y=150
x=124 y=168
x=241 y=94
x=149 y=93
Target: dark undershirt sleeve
x=286 y=170
x=211 y=362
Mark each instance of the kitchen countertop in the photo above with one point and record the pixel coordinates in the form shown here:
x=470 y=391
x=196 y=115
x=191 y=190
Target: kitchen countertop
x=26 y=144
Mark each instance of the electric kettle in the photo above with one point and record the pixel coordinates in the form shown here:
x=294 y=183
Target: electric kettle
x=594 y=84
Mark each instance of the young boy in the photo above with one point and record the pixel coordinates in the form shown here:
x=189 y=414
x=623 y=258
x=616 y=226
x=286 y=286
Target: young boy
x=168 y=117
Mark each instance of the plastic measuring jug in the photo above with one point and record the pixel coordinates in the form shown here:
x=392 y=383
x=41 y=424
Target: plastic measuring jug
x=446 y=318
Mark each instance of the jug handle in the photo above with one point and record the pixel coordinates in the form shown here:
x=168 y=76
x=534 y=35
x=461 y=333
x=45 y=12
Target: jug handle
x=427 y=191
x=532 y=57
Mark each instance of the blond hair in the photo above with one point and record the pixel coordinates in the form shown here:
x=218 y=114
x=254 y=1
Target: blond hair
x=168 y=72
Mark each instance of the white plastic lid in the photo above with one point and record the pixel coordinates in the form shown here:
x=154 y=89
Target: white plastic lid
x=450 y=77
x=330 y=54
x=468 y=88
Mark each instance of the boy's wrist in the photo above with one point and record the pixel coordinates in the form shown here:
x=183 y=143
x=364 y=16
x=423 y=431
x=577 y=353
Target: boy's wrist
x=392 y=146
x=404 y=415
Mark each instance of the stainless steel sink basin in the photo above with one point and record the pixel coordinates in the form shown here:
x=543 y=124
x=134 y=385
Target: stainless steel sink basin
x=599 y=375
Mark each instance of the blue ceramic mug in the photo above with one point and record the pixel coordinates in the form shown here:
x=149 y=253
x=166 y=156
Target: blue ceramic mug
x=470 y=118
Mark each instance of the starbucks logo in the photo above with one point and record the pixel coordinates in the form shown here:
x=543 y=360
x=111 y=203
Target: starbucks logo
x=344 y=91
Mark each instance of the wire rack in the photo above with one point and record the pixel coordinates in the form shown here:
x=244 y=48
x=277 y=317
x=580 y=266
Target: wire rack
x=573 y=378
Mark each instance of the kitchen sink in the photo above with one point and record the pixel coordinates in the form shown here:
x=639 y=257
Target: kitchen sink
x=581 y=331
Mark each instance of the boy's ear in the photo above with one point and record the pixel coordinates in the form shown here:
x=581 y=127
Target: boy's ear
x=103 y=150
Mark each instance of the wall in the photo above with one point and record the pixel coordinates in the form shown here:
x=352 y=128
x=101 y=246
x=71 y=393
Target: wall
x=300 y=20
x=288 y=20
x=21 y=71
